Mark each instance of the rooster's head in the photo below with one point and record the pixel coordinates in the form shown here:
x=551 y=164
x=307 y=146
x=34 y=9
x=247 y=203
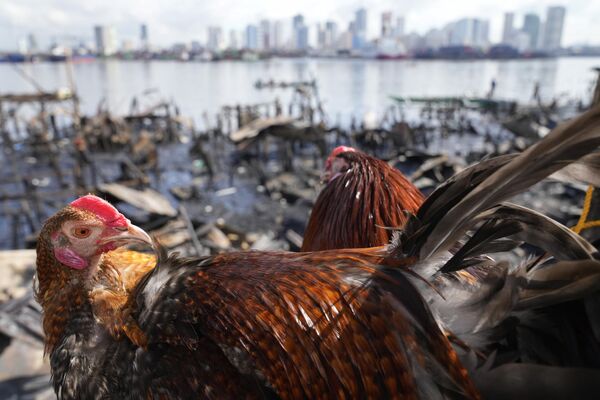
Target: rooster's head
x=80 y=233
x=335 y=165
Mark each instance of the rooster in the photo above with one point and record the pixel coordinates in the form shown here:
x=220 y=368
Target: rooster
x=242 y=325
x=354 y=323
x=363 y=196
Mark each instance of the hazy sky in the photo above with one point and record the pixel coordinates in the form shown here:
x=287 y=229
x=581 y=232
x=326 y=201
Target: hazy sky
x=184 y=20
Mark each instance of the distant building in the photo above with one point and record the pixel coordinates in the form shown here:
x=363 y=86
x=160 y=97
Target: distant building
x=399 y=30
x=215 y=38
x=359 y=38
x=321 y=36
x=386 y=24
x=331 y=35
x=298 y=21
x=531 y=26
x=251 y=42
x=144 y=42
x=481 y=33
x=106 y=40
x=265 y=39
x=302 y=38
x=553 y=28
x=233 y=40
x=508 y=30
x=278 y=35
x=468 y=32
x=300 y=33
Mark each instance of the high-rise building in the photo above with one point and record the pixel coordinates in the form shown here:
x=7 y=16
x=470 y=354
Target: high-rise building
x=278 y=35
x=298 y=21
x=553 y=28
x=331 y=35
x=359 y=38
x=302 y=38
x=508 y=30
x=399 y=30
x=251 y=42
x=233 y=40
x=215 y=38
x=265 y=37
x=106 y=40
x=468 y=32
x=481 y=33
x=300 y=33
x=144 y=42
x=321 y=36
x=386 y=24
x=531 y=26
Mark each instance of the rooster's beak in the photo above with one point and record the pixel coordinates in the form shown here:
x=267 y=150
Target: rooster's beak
x=130 y=234
x=140 y=234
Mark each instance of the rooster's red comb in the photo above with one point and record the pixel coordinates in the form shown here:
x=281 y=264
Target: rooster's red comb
x=341 y=149
x=334 y=154
x=102 y=209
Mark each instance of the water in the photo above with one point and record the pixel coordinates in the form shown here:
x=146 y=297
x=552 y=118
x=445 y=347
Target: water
x=347 y=87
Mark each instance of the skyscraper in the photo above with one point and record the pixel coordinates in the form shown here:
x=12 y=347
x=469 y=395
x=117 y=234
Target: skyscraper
x=144 y=43
x=298 y=21
x=106 y=40
x=331 y=34
x=508 y=30
x=278 y=37
x=251 y=42
x=469 y=32
x=553 y=28
x=300 y=33
x=399 y=31
x=386 y=24
x=531 y=26
x=265 y=37
x=359 y=38
x=215 y=38
x=233 y=40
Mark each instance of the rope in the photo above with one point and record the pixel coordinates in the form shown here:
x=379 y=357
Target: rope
x=583 y=224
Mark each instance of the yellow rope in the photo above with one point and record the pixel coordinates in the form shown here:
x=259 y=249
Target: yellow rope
x=587 y=203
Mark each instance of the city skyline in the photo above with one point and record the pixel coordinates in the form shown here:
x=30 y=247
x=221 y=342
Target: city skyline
x=15 y=24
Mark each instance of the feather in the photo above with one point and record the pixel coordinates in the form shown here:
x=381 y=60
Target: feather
x=563 y=145
x=586 y=170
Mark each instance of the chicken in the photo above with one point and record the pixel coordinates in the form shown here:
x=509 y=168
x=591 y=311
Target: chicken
x=363 y=196
x=240 y=325
x=353 y=323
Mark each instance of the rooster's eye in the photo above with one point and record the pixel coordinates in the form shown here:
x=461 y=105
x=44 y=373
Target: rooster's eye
x=81 y=232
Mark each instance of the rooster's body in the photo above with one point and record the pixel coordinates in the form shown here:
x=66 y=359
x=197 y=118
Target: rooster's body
x=363 y=197
x=236 y=321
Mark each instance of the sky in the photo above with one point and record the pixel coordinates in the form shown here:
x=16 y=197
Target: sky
x=171 y=21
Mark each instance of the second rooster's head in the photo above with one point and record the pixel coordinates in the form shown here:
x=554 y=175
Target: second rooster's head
x=336 y=164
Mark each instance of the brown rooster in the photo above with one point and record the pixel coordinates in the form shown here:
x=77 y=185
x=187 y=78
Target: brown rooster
x=363 y=196
x=241 y=325
x=352 y=323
